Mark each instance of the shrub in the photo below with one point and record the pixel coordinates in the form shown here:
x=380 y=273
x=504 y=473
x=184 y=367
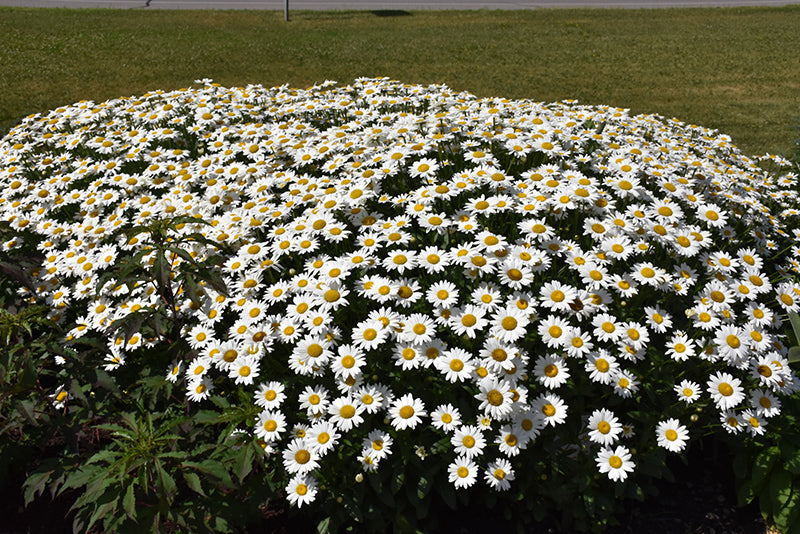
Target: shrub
x=404 y=287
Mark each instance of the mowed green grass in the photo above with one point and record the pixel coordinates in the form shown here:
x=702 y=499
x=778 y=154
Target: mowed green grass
x=735 y=70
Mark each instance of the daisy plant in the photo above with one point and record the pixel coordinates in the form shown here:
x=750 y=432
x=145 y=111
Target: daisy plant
x=480 y=293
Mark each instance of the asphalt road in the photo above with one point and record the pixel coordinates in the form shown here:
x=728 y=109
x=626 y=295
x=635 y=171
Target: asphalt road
x=387 y=5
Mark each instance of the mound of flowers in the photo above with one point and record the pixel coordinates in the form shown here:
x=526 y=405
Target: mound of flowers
x=388 y=269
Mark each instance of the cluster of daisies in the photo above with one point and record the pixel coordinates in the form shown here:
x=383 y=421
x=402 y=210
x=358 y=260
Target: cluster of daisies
x=410 y=261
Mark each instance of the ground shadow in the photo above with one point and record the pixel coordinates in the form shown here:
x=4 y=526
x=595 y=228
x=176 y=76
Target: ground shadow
x=391 y=13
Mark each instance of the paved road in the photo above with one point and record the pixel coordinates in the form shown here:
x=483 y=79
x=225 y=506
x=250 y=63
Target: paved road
x=388 y=5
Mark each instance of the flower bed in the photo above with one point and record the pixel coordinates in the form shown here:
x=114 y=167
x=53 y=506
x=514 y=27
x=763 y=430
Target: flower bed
x=393 y=273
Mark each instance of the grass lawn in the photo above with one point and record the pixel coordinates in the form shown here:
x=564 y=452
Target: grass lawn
x=736 y=70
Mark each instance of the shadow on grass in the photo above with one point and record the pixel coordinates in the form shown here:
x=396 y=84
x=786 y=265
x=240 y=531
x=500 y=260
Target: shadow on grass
x=391 y=13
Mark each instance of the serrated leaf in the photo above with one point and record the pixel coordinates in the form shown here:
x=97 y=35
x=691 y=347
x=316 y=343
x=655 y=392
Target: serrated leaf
x=104 y=380
x=129 y=502
x=192 y=290
x=101 y=511
x=183 y=254
x=193 y=481
x=35 y=484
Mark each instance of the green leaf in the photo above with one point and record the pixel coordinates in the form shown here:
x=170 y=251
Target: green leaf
x=107 y=508
x=323 y=527
x=129 y=502
x=763 y=466
x=35 y=485
x=794 y=318
x=244 y=462
x=191 y=288
x=794 y=354
x=193 y=481
x=213 y=468
x=160 y=271
x=183 y=254
x=792 y=463
x=780 y=489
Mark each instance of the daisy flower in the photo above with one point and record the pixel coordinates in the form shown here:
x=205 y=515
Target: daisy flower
x=443 y=294
x=378 y=444
x=602 y=367
x=604 y=427
x=688 y=391
x=510 y=441
x=345 y=413
x=732 y=422
x=299 y=457
x=446 y=417
x=314 y=400
x=462 y=472
x=468 y=440
x=469 y=321
x=456 y=364
x=679 y=347
x=270 y=425
x=672 y=435
x=199 y=389
x=499 y=474
x=551 y=371
x=406 y=412
x=244 y=370
x=765 y=403
x=369 y=335
x=552 y=407
x=755 y=423
x=616 y=462
x=495 y=397
x=554 y=331
x=301 y=489
x=625 y=384
x=419 y=329
x=556 y=296
x=509 y=324
x=725 y=390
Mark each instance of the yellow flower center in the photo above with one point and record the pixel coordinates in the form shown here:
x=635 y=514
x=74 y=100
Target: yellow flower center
x=494 y=397
x=509 y=323
x=370 y=334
